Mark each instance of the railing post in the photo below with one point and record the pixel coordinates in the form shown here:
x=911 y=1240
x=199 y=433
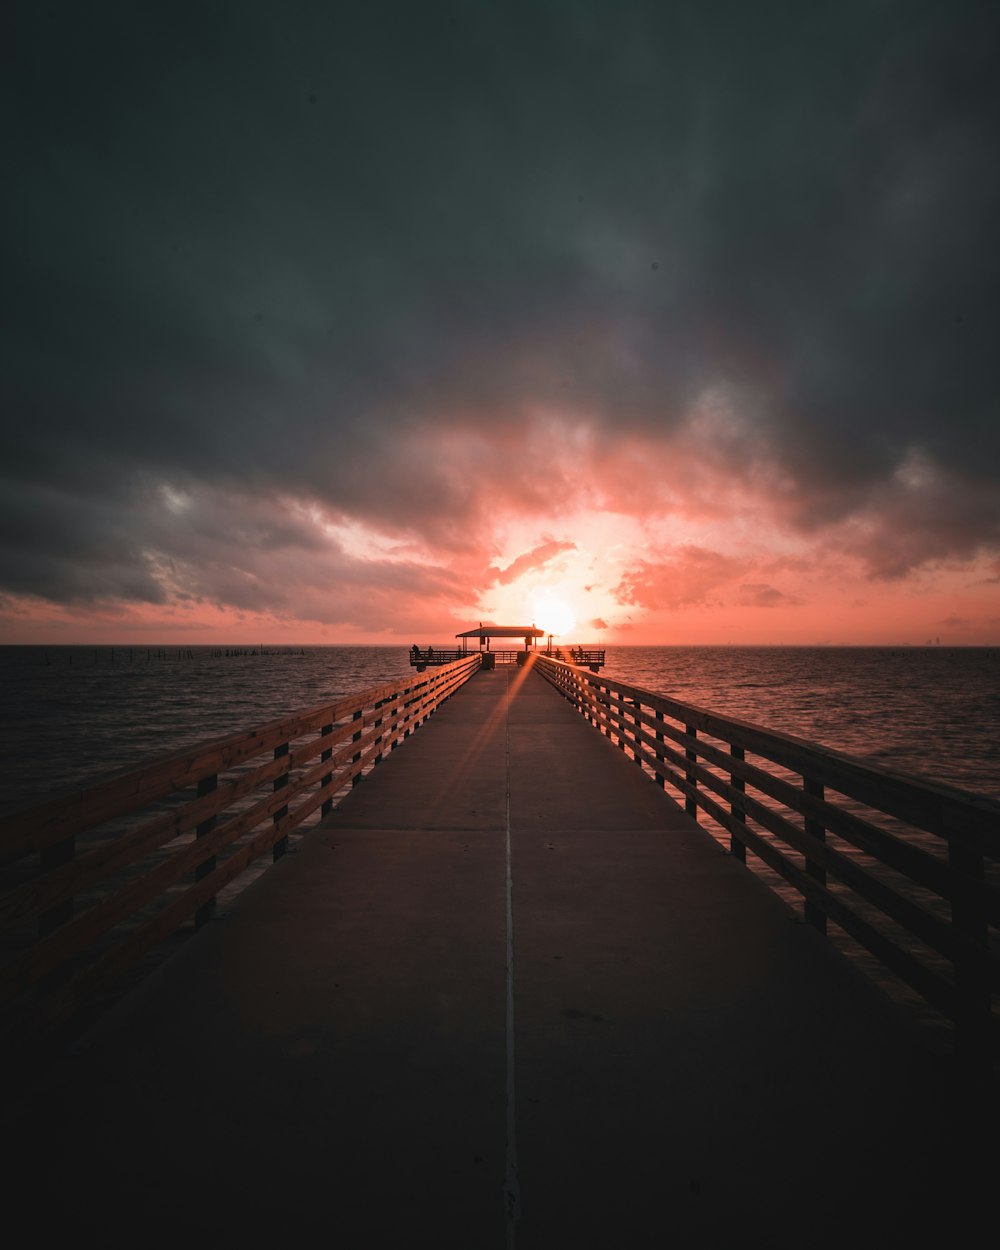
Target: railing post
x=637 y=750
x=633 y=735
x=356 y=738
x=659 y=755
x=378 y=737
x=691 y=755
x=395 y=721
x=281 y=846
x=205 y=913
x=325 y=780
x=737 y=848
x=814 y=829
x=968 y=920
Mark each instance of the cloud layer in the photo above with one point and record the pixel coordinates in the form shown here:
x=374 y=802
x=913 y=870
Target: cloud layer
x=312 y=309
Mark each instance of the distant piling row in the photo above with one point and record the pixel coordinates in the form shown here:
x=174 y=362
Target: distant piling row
x=129 y=655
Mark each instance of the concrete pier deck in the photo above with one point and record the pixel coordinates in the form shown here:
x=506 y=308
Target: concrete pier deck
x=336 y=1060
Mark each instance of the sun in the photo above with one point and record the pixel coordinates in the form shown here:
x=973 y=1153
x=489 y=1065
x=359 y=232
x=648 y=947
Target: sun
x=553 y=614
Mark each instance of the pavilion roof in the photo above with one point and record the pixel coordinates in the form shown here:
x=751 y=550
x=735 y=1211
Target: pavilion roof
x=503 y=631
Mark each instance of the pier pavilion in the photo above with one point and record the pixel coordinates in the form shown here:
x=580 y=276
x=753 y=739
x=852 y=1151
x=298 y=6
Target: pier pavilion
x=507 y=990
x=489 y=657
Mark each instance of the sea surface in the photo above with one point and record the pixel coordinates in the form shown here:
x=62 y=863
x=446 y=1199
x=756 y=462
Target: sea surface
x=70 y=714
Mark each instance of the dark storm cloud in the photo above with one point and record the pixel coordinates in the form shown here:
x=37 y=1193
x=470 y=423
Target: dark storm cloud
x=318 y=251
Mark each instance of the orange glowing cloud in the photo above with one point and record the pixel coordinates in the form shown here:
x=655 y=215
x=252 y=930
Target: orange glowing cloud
x=658 y=363
x=646 y=539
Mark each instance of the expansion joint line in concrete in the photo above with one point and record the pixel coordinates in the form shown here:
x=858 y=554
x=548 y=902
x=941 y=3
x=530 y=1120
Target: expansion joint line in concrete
x=512 y=1189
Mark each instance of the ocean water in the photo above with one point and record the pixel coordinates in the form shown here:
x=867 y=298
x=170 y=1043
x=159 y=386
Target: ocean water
x=69 y=714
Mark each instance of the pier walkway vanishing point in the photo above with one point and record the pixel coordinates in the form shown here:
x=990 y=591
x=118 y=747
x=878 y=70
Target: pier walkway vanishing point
x=507 y=993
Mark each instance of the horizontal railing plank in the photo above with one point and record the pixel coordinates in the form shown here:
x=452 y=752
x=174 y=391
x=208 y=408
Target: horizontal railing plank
x=128 y=789
x=913 y=862
x=703 y=757
x=926 y=804
x=113 y=930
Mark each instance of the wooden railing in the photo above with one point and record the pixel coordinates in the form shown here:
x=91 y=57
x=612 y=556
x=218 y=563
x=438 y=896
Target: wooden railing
x=429 y=656
x=586 y=657
x=908 y=868
x=92 y=882
x=436 y=656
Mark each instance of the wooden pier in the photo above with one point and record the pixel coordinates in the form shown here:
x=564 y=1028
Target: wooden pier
x=507 y=992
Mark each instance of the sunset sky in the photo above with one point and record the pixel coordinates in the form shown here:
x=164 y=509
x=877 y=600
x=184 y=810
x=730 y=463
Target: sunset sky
x=648 y=322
